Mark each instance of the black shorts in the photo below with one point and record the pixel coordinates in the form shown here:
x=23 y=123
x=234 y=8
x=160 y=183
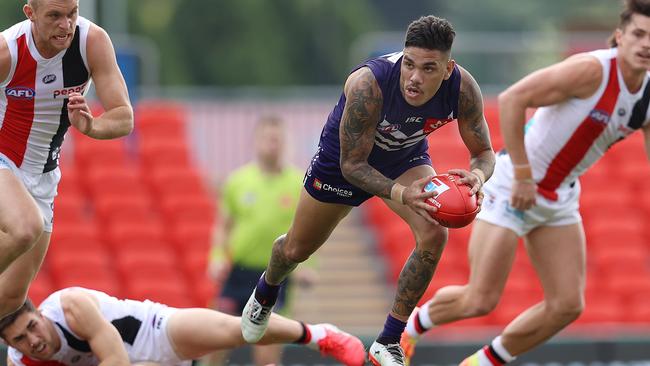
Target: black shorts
x=238 y=288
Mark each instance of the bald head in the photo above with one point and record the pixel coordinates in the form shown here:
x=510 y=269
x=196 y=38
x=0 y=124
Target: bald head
x=32 y=3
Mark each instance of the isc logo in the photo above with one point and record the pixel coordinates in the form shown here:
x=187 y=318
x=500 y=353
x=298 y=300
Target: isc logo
x=20 y=92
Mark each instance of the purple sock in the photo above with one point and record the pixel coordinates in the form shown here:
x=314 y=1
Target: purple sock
x=392 y=332
x=266 y=294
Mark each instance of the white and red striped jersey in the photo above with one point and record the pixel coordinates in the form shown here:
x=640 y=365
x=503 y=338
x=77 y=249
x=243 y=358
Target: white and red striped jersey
x=564 y=140
x=33 y=98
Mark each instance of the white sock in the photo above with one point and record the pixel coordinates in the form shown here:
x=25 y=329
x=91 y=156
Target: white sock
x=317 y=333
x=425 y=320
x=501 y=351
x=483 y=359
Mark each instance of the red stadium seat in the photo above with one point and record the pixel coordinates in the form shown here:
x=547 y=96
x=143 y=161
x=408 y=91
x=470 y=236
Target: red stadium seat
x=124 y=207
x=124 y=233
x=168 y=181
x=128 y=262
x=602 y=309
x=159 y=120
x=115 y=180
x=169 y=293
x=61 y=262
x=70 y=207
x=192 y=235
x=100 y=153
x=157 y=153
x=41 y=287
x=188 y=208
x=195 y=262
x=101 y=279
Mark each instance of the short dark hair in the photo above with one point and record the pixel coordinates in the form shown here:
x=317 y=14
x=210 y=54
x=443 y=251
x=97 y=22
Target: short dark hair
x=26 y=307
x=430 y=32
x=630 y=7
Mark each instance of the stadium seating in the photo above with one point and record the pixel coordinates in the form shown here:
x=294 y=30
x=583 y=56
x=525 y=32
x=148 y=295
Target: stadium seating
x=133 y=217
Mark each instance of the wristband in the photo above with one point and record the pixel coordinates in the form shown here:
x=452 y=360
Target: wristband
x=397 y=193
x=522 y=171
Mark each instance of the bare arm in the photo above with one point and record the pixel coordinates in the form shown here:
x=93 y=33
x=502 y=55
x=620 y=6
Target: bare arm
x=576 y=77
x=82 y=314
x=117 y=120
x=5 y=59
x=474 y=130
x=357 y=133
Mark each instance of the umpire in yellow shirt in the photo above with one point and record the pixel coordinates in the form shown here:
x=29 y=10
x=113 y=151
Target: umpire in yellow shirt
x=257 y=205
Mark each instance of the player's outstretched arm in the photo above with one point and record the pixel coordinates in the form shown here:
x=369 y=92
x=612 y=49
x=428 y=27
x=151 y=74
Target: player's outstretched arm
x=475 y=133
x=117 y=120
x=82 y=314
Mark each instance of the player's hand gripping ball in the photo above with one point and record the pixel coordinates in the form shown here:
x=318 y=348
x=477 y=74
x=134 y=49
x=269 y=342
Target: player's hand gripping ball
x=456 y=208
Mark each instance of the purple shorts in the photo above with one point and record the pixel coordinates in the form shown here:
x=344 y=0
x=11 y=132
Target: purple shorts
x=324 y=180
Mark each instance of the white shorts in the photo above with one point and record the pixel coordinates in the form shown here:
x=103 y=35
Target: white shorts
x=152 y=343
x=496 y=207
x=41 y=186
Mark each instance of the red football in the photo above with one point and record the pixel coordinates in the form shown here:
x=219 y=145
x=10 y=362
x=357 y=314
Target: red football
x=456 y=208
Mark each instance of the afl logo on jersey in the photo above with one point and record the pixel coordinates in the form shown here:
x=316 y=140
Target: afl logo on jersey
x=50 y=78
x=20 y=92
x=600 y=116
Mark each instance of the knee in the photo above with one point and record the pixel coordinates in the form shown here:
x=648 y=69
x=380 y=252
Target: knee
x=565 y=311
x=293 y=250
x=480 y=304
x=24 y=235
x=12 y=300
x=432 y=237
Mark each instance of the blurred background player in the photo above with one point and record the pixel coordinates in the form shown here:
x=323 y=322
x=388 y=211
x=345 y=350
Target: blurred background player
x=46 y=63
x=77 y=326
x=586 y=104
x=257 y=203
x=374 y=143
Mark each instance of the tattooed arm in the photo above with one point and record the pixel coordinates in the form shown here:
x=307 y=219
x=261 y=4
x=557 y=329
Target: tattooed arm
x=357 y=133
x=475 y=133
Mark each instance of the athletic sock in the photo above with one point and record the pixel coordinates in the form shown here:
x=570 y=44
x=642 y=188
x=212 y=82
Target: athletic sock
x=306 y=335
x=392 y=332
x=311 y=334
x=266 y=294
x=501 y=351
x=494 y=354
x=420 y=323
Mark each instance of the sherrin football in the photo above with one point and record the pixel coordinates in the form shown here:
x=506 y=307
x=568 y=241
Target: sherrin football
x=456 y=208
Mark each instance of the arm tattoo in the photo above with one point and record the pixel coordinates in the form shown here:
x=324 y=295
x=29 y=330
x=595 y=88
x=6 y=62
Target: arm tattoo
x=357 y=134
x=473 y=127
x=414 y=280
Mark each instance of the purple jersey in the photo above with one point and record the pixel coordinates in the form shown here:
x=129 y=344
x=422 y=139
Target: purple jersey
x=400 y=137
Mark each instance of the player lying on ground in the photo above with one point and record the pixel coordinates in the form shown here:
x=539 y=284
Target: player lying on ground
x=82 y=327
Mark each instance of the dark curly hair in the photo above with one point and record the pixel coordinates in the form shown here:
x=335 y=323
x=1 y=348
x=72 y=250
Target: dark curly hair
x=26 y=307
x=430 y=32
